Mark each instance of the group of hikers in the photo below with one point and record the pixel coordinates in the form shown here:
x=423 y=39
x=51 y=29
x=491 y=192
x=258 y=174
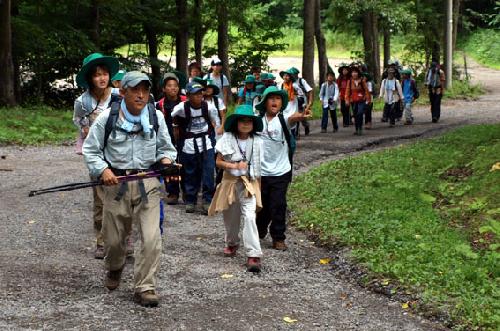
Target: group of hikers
x=241 y=163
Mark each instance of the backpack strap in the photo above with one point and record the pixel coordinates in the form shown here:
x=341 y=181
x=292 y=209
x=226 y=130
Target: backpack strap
x=216 y=104
x=288 y=136
x=206 y=116
x=301 y=85
x=111 y=122
x=153 y=119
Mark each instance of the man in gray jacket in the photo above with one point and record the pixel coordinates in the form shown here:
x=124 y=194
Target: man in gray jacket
x=128 y=138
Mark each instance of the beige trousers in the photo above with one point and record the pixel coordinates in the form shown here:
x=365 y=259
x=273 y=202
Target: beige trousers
x=97 y=193
x=118 y=217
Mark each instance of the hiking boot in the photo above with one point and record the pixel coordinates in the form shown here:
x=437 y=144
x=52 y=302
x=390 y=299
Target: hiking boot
x=204 y=208
x=383 y=120
x=279 y=245
x=368 y=126
x=335 y=130
x=434 y=120
x=360 y=132
x=307 y=130
x=230 y=251
x=113 y=279
x=99 y=252
x=253 y=264
x=147 y=298
x=323 y=130
x=172 y=199
x=190 y=208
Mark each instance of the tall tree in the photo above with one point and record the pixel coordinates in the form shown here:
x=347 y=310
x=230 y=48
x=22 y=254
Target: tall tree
x=96 y=22
x=7 y=96
x=181 y=37
x=371 y=43
x=152 y=40
x=223 y=35
x=308 y=42
x=198 y=30
x=387 y=44
x=320 y=43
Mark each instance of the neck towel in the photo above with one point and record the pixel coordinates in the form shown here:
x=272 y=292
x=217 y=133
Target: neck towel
x=131 y=120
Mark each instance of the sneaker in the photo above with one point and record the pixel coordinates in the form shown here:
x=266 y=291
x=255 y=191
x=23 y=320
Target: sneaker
x=230 y=251
x=279 y=245
x=204 y=208
x=99 y=252
x=383 y=120
x=147 y=298
x=172 y=199
x=368 y=126
x=408 y=123
x=323 y=130
x=113 y=279
x=335 y=130
x=190 y=208
x=307 y=130
x=434 y=120
x=253 y=264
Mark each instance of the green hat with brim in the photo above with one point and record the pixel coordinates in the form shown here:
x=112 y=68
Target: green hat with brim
x=250 y=79
x=272 y=90
x=405 y=72
x=119 y=75
x=367 y=76
x=259 y=89
x=210 y=83
x=239 y=112
x=289 y=72
x=93 y=60
x=294 y=70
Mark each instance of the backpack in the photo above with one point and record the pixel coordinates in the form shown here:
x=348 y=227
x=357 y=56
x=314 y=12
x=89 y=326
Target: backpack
x=114 y=114
x=416 y=93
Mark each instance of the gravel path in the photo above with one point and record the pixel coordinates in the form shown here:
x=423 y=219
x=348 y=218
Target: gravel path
x=49 y=279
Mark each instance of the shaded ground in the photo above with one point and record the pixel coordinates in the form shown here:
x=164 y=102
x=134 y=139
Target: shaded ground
x=49 y=279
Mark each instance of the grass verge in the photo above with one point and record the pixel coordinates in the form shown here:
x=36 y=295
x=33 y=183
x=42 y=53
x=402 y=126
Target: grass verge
x=484 y=47
x=36 y=125
x=425 y=216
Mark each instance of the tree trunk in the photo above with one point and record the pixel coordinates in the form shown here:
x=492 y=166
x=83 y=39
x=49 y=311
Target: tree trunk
x=387 y=45
x=456 y=17
x=95 y=19
x=371 y=44
x=223 y=36
x=7 y=96
x=308 y=42
x=152 y=39
x=198 y=31
x=181 y=37
x=321 y=43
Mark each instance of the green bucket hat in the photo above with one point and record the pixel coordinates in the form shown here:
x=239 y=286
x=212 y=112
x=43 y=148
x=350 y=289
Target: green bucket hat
x=239 y=112
x=250 y=79
x=261 y=106
x=210 y=83
x=200 y=80
x=95 y=59
x=291 y=72
x=259 y=89
x=294 y=70
x=406 y=72
x=119 y=75
x=267 y=76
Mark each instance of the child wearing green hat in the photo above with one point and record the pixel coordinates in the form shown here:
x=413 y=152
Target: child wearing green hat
x=410 y=94
x=116 y=80
x=247 y=93
x=276 y=165
x=95 y=76
x=238 y=194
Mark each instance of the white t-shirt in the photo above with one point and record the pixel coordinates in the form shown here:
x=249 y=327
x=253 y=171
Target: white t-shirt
x=198 y=125
x=300 y=92
x=275 y=160
x=243 y=149
x=217 y=81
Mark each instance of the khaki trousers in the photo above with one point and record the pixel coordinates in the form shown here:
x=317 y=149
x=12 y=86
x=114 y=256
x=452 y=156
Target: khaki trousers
x=97 y=193
x=118 y=217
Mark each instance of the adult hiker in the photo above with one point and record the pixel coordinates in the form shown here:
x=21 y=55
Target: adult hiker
x=391 y=93
x=369 y=107
x=172 y=97
x=358 y=97
x=246 y=94
x=410 y=94
x=329 y=95
x=116 y=80
x=194 y=71
x=435 y=82
x=238 y=195
x=210 y=96
x=393 y=65
x=94 y=76
x=196 y=121
x=276 y=168
x=305 y=99
x=128 y=138
x=342 y=82
x=219 y=79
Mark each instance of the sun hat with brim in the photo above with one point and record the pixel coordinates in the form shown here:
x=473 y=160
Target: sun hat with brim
x=272 y=90
x=259 y=89
x=342 y=66
x=250 y=79
x=289 y=72
x=134 y=78
x=240 y=112
x=200 y=80
x=169 y=76
x=93 y=60
x=119 y=75
x=406 y=72
x=211 y=83
x=294 y=70
x=194 y=87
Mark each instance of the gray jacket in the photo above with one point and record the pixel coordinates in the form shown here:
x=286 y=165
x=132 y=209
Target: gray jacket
x=124 y=150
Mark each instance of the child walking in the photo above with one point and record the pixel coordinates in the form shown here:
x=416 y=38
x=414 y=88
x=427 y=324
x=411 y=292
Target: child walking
x=329 y=95
x=410 y=94
x=238 y=195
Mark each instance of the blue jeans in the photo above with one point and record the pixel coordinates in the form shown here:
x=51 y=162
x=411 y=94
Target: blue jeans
x=358 y=110
x=324 y=118
x=199 y=170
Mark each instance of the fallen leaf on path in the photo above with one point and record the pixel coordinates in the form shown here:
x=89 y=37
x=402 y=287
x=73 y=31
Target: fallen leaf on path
x=289 y=319
x=385 y=282
x=31 y=222
x=496 y=166
x=226 y=276
x=405 y=305
x=326 y=260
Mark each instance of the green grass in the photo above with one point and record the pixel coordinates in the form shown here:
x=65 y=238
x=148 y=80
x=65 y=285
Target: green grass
x=425 y=216
x=36 y=125
x=484 y=47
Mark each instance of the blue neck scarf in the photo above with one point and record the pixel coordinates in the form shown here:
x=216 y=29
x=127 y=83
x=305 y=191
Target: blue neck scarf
x=130 y=120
